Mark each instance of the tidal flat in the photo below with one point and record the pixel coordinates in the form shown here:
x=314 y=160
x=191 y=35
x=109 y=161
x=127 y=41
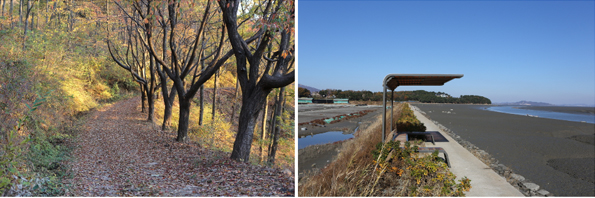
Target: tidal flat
x=557 y=155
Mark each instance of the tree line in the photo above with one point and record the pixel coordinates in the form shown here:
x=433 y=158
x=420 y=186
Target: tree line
x=419 y=95
x=176 y=46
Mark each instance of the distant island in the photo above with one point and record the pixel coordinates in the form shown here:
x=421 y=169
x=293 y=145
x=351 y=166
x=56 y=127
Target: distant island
x=364 y=95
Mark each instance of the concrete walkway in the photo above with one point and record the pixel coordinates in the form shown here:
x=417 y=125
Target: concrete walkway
x=484 y=181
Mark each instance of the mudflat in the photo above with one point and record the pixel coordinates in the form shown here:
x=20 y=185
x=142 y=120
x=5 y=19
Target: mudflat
x=557 y=155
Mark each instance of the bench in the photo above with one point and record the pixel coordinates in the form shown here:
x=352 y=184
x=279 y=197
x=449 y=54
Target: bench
x=404 y=136
x=432 y=149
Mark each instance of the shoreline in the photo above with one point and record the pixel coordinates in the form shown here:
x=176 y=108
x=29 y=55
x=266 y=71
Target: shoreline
x=563 y=109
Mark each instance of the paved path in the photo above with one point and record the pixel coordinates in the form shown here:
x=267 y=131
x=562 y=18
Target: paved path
x=484 y=181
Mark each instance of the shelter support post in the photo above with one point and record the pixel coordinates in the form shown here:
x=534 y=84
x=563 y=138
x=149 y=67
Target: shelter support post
x=392 y=105
x=384 y=114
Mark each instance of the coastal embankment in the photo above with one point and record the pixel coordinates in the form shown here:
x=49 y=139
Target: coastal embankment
x=557 y=155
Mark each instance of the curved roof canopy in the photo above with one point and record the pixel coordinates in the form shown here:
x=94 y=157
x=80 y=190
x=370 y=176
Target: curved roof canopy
x=392 y=81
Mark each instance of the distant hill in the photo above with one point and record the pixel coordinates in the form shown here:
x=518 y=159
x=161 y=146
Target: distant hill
x=312 y=89
x=523 y=102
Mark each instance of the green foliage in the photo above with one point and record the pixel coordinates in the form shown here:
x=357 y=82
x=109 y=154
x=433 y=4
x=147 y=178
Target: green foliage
x=408 y=122
x=422 y=175
x=13 y=147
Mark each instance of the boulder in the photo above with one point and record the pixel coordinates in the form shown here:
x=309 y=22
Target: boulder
x=517 y=177
x=543 y=192
x=531 y=186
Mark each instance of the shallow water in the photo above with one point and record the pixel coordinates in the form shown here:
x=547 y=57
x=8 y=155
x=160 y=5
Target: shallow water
x=323 y=138
x=544 y=114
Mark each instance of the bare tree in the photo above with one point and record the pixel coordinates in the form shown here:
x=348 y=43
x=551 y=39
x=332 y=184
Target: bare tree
x=193 y=57
x=137 y=61
x=276 y=18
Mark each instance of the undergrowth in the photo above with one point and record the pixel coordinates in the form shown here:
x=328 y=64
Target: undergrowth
x=60 y=74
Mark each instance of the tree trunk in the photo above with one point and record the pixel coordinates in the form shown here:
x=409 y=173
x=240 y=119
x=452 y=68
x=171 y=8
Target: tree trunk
x=278 y=115
x=143 y=97
x=263 y=133
x=32 y=27
x=10 y=13
x=202 y=110
x=252 y=103
x=151 y=103
x=57 y=22
x=150 y=89
x=214 y=97
x=184 y=117
x=234 y=103
x=28 y=10
x=71 y=16
x=26 y=24
x=47 y=11
x=21 y=11
x=273 y=121
x=3 y=4
x=168 y=102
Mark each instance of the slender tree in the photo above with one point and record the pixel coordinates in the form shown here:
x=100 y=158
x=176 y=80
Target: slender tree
x=3 y=5
x=278 y=119
x=10 y=13
x=263 y=131
x=137 y=61
x=213 y=110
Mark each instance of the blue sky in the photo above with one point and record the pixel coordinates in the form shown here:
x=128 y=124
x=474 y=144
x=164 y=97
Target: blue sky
x=508 y=50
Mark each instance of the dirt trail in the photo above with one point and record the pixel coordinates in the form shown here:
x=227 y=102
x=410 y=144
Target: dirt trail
x=118 y=153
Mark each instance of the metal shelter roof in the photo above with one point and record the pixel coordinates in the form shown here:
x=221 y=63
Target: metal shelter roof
x=392 y=81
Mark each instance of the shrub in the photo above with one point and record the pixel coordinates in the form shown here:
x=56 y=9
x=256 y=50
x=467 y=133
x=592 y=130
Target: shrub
x=418 y=175
x=408 y=121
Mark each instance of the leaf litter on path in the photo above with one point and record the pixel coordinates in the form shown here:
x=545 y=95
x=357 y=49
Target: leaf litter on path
x=118 y=153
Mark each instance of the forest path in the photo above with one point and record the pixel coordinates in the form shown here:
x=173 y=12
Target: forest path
x=118 y=153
